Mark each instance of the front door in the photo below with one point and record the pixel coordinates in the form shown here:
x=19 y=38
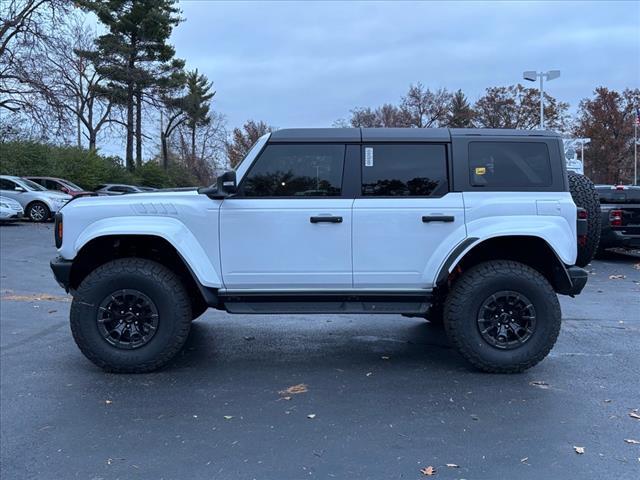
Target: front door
x=406 y=218
x=289 y=226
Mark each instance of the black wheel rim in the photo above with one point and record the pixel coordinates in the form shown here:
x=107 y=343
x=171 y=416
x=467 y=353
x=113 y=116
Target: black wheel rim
x=507 y=320
x=127 y=319
x=38 y=213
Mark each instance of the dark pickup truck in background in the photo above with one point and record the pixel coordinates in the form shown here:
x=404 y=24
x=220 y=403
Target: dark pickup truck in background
x=620 y=207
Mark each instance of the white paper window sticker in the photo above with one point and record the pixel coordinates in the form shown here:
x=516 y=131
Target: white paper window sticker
x=368 y=157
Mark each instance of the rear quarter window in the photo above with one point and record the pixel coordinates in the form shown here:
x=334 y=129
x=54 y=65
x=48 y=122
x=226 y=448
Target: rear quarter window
x=509 y=164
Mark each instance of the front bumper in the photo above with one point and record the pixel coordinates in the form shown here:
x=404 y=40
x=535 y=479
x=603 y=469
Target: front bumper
x=62 y=271
x=11 y=215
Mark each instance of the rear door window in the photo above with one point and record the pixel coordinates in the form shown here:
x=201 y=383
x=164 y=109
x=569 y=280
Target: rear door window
x=404 y=170
x=302 y=170
x=509 y=164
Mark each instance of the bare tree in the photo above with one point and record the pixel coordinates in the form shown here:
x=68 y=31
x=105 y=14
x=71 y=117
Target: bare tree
x=419 y=108
x=518 y=107
x=24 y=26
x=74 y=84
x=426 y=108
x=385 y=116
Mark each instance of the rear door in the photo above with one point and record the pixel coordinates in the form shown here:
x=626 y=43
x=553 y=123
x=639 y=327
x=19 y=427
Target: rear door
x=405 y=217
x=289 y=226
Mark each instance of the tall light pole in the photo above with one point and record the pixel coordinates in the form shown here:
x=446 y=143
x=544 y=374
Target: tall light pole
x=532 y=76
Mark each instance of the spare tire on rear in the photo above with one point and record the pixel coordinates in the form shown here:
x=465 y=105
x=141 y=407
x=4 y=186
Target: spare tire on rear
x=585 y=196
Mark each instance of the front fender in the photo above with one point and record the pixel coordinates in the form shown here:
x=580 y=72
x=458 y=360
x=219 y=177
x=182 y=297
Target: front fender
x=170 y=229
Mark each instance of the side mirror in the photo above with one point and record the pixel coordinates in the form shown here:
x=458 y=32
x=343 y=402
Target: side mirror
x=227 y=183
x=18 y=188
x=225 y=186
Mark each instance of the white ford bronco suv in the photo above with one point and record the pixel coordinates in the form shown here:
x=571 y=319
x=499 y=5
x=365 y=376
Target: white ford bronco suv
x=475 y=229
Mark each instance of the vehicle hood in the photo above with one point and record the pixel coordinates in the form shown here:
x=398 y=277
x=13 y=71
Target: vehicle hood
x=10 y=201
x=54 y=195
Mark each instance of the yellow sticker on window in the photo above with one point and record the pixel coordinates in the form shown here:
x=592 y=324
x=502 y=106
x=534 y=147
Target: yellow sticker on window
x=481 y=170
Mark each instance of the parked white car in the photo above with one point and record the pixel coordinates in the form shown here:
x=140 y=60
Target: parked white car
x=39 y=204
x=10 y=209
x=475 y=229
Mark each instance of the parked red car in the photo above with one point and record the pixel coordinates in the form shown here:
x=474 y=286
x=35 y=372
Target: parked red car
x=61 y=185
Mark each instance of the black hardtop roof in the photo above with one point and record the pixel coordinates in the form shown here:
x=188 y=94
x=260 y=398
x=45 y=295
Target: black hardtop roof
x=355 y=135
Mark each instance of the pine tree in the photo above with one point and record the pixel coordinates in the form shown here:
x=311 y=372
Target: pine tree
x=130 y=53
x=196 y=104
x=460 y=112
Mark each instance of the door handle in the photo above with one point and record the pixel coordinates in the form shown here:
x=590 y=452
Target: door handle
x=325 y=219
x=438 y=218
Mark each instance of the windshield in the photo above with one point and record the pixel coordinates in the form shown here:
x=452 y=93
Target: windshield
x=72 y=186
x=29 y=185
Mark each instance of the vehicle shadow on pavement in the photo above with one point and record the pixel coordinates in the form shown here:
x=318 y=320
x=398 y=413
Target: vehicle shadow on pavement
x=415 y=343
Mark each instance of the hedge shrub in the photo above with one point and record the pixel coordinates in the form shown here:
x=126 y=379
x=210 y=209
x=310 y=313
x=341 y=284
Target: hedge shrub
x=84 y=167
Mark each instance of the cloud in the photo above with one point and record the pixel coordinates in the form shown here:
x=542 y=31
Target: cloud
x=307 y=63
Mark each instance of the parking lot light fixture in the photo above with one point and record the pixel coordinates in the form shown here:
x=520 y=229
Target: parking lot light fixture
x=532 y=76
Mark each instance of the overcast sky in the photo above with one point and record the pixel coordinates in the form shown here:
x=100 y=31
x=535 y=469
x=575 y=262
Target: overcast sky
x=307 y=64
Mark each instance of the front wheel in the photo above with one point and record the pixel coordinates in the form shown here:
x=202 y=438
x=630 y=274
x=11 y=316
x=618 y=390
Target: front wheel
x=502 y=316
x=131 y=315
x=38 y=212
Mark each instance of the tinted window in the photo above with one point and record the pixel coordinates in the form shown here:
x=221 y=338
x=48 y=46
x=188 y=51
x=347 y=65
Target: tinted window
x=619 y=196
x=509 y=164
x=51 y=185
x=404 y=170
x=121 y=188
x=7 y=184
x=296 y=171
x=39 y=181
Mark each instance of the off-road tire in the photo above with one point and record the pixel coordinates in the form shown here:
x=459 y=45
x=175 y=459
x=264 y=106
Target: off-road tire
x=585 y=196
x=462 y=306
x=36 y=206
x=159 y=284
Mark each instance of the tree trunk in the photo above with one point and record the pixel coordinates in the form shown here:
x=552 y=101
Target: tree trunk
x=92 y=140
x=193 y=144
x=165 y=151
x=129 y=151
x=138 y=127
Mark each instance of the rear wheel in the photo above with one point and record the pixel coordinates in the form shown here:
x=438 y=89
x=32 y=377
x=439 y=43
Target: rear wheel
x=584 y=195
x=130 y=315
x=38 y=212
x=502 y=316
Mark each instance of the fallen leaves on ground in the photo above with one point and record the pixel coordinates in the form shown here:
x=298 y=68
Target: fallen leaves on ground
x=294 y=390
x=311 y=416
x=579 y=450
x=632 y=441
x=524 y=460
x=37 y=297
x=634 y=414
x=108 y=402
x=540 y=384
x=228 y=417
x=617 y=277
x=637 y=266
x=452 y=465
x=428 y=471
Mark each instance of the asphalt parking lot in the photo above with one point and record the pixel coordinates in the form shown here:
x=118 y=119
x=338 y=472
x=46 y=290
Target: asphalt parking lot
x=376 y=397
